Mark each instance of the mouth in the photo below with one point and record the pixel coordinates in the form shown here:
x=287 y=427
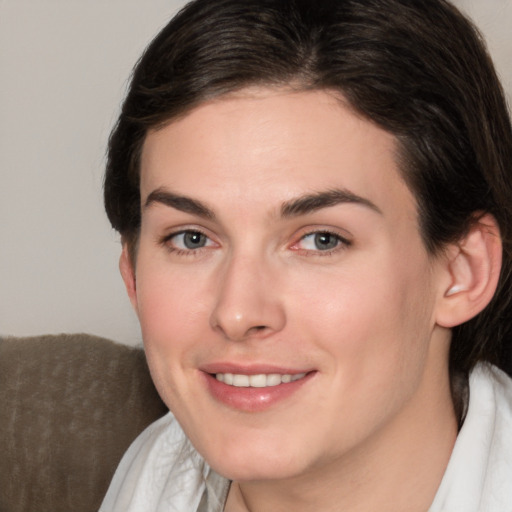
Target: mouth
x=255 y=390
x=260 y=380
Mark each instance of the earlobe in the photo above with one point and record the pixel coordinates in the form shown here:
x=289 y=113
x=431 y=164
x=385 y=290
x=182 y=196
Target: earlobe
x=127 y=270
x=473 y=265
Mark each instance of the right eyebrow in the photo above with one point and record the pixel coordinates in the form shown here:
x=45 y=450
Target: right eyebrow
x=178 y=202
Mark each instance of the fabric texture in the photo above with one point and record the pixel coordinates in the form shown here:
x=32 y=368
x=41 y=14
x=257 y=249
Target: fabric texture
x=479 y=474
x=162 y=472
x=70 y=406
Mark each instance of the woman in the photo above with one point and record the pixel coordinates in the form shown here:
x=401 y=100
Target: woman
x=314 y=203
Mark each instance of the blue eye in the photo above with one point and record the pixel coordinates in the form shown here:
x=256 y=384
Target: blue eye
x=194 y=240
x=189 y=240
x=321 y=241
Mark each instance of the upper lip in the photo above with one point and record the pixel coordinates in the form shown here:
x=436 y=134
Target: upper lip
x=251 y=369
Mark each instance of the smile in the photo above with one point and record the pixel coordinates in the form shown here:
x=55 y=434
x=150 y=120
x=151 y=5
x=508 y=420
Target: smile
x=254 y=389
x=260 y=380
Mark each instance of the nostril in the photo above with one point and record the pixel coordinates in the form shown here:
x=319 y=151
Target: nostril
x=256 y=329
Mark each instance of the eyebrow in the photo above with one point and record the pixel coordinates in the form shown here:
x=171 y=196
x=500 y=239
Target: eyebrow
x=293 y=208
x=182 y=203
x=316 y=201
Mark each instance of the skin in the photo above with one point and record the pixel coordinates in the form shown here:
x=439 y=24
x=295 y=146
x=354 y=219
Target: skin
x=373 y=427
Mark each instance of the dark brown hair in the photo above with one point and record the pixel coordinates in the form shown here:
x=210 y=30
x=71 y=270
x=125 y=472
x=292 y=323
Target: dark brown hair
x=417 y=68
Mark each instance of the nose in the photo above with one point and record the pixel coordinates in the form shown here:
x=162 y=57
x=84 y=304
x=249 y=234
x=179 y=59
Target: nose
x=247 y=304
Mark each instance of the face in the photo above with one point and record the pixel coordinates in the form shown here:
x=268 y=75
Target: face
x=286 y=299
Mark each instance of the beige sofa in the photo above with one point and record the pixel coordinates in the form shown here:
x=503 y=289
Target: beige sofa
x=70 y=405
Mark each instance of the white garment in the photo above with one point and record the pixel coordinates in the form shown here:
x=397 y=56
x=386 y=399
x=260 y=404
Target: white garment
x=161 y=471
x=479 y=474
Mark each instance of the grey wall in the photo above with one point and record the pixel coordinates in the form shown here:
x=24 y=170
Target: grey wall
x=64 y=66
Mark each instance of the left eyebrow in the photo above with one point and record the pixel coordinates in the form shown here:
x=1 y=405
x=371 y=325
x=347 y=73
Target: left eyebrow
x=312 y=202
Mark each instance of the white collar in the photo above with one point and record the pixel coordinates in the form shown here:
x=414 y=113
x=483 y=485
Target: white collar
x=478 y=477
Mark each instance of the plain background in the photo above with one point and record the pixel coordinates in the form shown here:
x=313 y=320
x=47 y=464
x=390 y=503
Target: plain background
x=64 y=68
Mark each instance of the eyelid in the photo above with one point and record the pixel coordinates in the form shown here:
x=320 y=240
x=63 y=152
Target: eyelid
x=344 y=240
x=165 y=240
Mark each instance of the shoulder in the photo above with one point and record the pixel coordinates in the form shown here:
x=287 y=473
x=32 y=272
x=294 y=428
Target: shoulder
x=491 y=392
x=161 y=455
x=479 y=474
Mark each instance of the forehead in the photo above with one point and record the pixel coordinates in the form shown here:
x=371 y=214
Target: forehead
x=265 y=145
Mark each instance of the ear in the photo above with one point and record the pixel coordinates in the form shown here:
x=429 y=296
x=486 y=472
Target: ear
x=473 y=268
x=127 y=269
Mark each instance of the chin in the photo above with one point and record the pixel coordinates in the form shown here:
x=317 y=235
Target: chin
x=252 y=471
x=252 y=462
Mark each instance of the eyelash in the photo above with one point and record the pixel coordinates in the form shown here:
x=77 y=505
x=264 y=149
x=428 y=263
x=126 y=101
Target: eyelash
x=166 y=242
x=342 y=243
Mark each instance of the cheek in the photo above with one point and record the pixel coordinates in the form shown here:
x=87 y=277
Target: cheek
x=170 y=303
x=168 y=314
x=173 y=320
x=375 y=328
x=372 y=319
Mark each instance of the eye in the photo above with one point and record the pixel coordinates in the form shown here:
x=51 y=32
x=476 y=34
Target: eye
x=189 y=240
x=321 y=241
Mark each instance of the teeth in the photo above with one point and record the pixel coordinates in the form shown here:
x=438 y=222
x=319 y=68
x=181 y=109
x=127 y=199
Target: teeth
x=261 y=380
x=274 y=379
x=241 y=381
x=258 y=381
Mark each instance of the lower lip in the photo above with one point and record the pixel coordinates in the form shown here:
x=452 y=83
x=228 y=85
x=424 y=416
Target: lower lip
x=253 y=399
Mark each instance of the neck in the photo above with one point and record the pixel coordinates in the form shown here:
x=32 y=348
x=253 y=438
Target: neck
x=398 y=470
